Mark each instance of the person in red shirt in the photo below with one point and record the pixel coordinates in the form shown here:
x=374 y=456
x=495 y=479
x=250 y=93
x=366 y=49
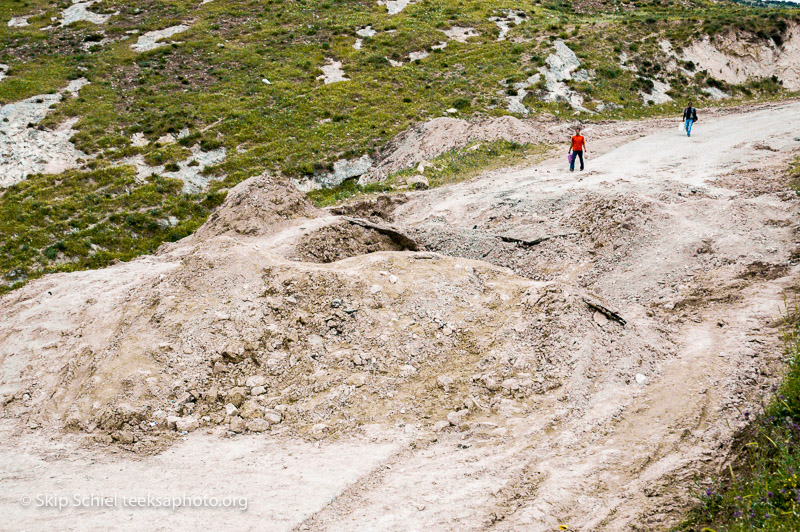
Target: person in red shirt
x=577 y=148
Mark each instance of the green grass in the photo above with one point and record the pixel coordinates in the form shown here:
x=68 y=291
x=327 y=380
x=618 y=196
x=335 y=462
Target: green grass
x=80 y=220
x=761 y=489
x=210 y=83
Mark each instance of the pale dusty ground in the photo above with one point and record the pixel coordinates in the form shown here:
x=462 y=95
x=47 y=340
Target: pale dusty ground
x=667 y=230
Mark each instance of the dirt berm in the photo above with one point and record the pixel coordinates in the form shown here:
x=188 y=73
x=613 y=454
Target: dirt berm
x=224 y=328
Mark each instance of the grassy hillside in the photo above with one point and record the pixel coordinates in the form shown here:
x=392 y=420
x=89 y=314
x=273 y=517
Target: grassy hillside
x=209 y=83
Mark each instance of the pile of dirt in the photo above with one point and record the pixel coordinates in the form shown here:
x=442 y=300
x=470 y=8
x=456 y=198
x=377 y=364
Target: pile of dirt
x=379 y=208
x=257 y=207
x=430 y=139
x=343 y=240
x=222 y=330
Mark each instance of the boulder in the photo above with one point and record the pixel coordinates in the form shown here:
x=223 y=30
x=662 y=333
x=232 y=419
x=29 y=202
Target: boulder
x=186 y=424
x=419 y=182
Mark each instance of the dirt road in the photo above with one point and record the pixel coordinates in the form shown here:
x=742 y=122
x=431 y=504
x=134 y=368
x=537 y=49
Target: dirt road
x=690 y=240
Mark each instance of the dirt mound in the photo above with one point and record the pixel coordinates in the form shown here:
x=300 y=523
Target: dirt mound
x=222 y=331
x=257 y=206
x=430 y=139
x=376 y=209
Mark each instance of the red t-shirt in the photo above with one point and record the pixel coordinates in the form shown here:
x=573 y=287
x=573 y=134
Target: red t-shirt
x=578 y=143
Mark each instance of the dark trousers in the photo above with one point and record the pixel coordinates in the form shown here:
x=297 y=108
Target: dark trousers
x=576 y=154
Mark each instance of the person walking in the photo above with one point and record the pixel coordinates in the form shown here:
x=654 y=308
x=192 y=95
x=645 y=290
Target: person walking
x=576 y=149
x=689 y=118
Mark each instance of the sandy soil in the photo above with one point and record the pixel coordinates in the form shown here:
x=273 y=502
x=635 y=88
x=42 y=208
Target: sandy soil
x=597 y=424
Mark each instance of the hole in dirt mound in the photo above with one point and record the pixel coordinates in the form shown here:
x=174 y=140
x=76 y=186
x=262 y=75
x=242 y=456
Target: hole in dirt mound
x=344 y=240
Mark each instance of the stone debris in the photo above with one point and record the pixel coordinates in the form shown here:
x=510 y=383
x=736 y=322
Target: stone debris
x=237 y=424
x=515 y=101
x=507 y=21
x=659 y=93
x=152 y=39
x=395 y=6
x=3 y=71
x=79 y=12
x=716 y=93
x=641 y=379
x=18 y=22
x=418 y=182
x=26 y=149
x=418 y=56
x=456 y=418
x=444 y=382
x=332 y=72
x=186 y=424
x=460 y=34
x=298 y=343
x=561 y=66
x=366 y=32
x=190 y=171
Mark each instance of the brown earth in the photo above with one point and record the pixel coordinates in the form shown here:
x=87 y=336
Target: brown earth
x=570 y=348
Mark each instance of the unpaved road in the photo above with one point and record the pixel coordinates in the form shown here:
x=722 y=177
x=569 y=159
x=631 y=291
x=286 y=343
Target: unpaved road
x=690 y=239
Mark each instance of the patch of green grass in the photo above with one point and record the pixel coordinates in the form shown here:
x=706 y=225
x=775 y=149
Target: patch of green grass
x=79 y=220
x=761 y=490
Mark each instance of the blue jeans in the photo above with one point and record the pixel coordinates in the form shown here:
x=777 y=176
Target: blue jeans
x=576 y=154
x=688 y=127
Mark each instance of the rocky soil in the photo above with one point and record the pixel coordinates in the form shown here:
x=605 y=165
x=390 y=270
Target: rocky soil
x=478 y=356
